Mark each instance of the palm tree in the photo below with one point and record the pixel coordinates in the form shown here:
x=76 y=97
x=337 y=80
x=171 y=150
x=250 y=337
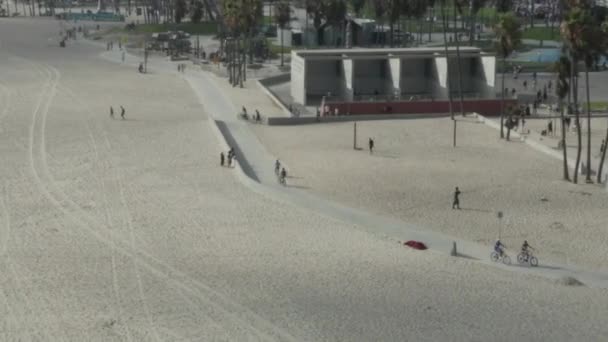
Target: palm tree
x=315 y=9
x=444 y=25
x=282 y=12
x=594 y=43
x=605 y=145
x=508 y=35
x=459 y=5
x=561 y=90
x=335 y=13
x=431 y=6
x=394 y=9
x=571 y=32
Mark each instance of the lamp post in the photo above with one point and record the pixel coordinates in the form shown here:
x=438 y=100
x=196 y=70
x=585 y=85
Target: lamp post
x=499 y=215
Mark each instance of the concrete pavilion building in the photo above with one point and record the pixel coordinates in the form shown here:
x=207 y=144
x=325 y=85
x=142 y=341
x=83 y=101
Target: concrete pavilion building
x=404 y=74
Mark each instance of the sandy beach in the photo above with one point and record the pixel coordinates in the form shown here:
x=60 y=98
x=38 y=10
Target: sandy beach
x=129 y=230
x=414 y=169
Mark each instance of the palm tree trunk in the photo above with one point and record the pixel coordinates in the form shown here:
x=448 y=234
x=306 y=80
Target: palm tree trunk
x=282 y=47
x=502 y=103
x=431 y=21
x=391 y=28
x=601 y=166
x=576 y=117
x=580 y=145
x=532 y=15
x=564 y=147
x=459 y=71
x=444 y=23
x=588 y=178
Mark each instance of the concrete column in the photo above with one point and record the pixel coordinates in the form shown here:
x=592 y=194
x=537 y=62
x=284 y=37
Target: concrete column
x=298 y=78
x=489 y=70
x=348 y=72
x=395 y=72
x=440 y=90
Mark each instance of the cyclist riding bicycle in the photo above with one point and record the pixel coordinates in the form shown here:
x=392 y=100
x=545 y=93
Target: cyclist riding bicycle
x=499 y=247
x=525 y=248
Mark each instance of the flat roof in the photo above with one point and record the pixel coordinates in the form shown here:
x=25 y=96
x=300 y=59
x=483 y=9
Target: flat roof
x=386 y=52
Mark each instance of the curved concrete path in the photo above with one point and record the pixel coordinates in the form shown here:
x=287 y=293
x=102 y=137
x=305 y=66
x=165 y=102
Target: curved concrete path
x=256 y=171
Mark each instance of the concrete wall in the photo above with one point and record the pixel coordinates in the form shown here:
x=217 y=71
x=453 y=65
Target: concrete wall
x=298 y=78
x=398 y=78
x=324 y=76
x=413 y=77
x=488 y=107
x=371 y=76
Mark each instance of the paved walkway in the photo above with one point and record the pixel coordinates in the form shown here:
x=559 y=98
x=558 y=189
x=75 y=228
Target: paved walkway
x=257 y=165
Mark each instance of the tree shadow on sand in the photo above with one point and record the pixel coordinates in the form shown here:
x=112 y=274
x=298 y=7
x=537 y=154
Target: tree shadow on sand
x=298 y=187
x=475 y=209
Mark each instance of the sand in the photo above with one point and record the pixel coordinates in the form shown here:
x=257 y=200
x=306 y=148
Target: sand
x=413 y=172
x=129 y=230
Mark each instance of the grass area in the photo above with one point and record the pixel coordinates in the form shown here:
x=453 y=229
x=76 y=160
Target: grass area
x=206 y=28
x=599 y=105
x=276 y=49
x=541 y=33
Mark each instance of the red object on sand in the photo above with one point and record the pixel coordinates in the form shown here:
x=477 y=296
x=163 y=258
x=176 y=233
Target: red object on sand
x=415 y=245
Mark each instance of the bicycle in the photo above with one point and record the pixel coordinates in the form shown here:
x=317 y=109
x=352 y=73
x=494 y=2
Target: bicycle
x=495 y=256
x=527 y=258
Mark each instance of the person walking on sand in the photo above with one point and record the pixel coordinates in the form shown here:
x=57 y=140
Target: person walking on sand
x=371 y=145
x=111 y=112
x=122 y=112
x=221 y=158
x=456 y=203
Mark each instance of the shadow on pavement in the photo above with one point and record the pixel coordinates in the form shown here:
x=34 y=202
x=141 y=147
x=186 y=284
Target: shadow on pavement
x=240 y=157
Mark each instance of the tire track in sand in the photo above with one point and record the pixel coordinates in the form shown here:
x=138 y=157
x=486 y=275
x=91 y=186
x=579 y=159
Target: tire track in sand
x=245 y=317
x=115 y=285
x=12 y=313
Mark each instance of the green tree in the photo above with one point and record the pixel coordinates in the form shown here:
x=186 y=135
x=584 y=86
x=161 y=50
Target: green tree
x=357 y=6
x=508 y=36
x=282 y=13
x=335 y=13
x=196 y=13
x=180 y=10
x=316 y=10
x=503 y=6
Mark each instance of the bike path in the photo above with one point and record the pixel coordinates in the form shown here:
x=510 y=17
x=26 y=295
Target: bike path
x=255 y=168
